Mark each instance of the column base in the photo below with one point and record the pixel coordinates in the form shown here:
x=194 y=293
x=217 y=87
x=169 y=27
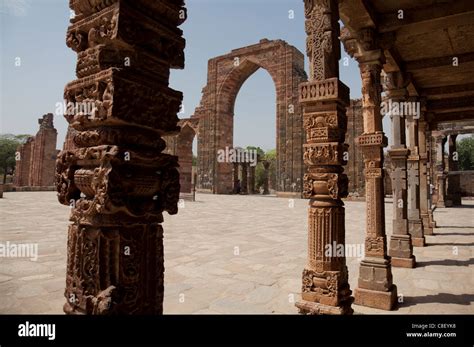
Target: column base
x=404 y=262
x=415 y=228
x=376 y=299
x=314 y=308
x=428 y=229
x=401 y=248
x=418 y=241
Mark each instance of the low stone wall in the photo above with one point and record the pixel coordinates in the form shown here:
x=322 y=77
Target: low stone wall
x=467 y=184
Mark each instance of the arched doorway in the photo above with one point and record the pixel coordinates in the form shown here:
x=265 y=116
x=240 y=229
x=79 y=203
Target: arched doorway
x=226 y=74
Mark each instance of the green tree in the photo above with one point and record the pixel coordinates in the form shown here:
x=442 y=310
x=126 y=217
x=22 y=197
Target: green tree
x=271 y=156
x=8 y=145
x=465 y=149
x=259 y=170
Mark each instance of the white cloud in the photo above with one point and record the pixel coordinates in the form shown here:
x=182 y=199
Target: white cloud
x=17 y=8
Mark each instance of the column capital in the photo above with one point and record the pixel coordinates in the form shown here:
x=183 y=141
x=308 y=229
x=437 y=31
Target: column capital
x=395 y=84
x=363 y=46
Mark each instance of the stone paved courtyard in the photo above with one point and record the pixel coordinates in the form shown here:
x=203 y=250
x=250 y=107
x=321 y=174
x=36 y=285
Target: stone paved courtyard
x=236 y=254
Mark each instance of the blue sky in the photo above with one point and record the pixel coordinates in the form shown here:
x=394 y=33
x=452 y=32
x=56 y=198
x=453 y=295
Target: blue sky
x=35 y=32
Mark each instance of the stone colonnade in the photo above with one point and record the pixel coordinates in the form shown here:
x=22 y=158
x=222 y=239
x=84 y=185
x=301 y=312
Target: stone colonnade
x=325 y=287
x=246 y=172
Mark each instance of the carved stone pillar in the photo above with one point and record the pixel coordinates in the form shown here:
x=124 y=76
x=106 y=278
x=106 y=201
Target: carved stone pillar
x=424 y=184
x=440 y=174
x=431 y=181
x=235 y=175
x=415 y=224
x=376 y=288
x=117 y=179
x=266 y=174
x=324 y=99
x=454 y=181
x=244 y=183
x=400 y=246
x=251 y=183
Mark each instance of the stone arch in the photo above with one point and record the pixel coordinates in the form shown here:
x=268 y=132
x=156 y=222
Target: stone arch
x=226 y=75
x=181 y=145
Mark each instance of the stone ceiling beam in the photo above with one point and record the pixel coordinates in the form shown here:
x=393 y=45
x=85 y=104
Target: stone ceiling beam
x=390 y=21
x=427 y=63
x=446 y=105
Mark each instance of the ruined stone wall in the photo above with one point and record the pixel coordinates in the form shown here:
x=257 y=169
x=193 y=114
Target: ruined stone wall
x=22 y=168
x=37 y=157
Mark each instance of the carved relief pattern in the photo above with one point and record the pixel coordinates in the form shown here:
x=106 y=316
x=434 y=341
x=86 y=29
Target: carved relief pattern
x=114 y=174
x=322 y=45
x=329 y=89
x=325 y=154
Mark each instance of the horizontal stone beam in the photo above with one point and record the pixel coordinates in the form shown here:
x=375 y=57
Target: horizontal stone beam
x=391 y=22
x=438 y=61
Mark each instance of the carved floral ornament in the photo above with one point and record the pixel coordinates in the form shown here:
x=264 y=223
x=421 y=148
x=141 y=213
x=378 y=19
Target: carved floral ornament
x=324 y=154
x=336 y=185
x=330 y=278
x=105 y=188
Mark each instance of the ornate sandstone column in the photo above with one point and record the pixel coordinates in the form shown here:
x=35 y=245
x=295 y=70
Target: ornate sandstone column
x=415 y=223
x=454 y=183
x=117 y=179
x=400 y=247
x=424 y=184
x=324 y=99
x=440 y=175
x=376 y=288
